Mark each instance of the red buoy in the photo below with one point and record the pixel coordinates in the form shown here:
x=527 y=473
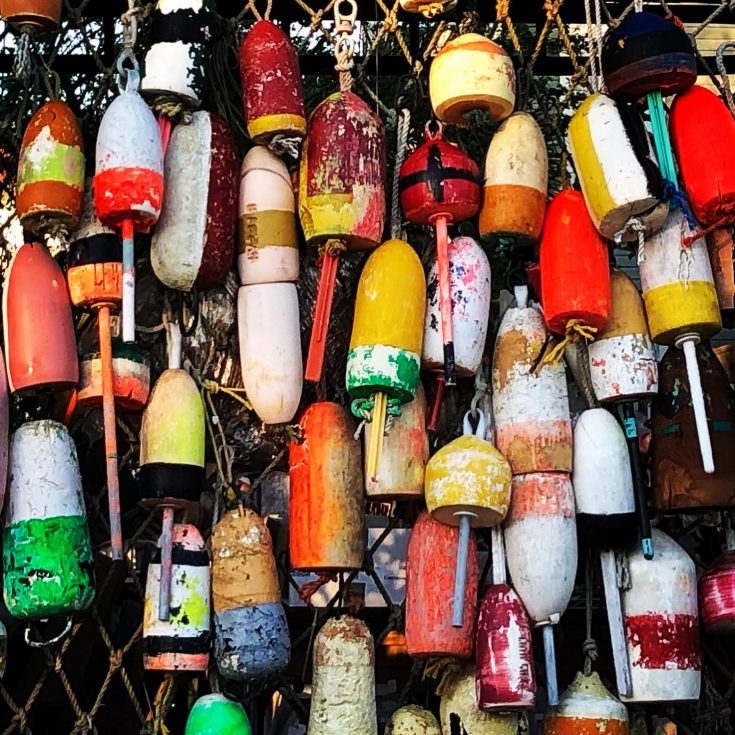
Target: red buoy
x=717 y=594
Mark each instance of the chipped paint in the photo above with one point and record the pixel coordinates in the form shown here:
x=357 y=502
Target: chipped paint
x=412 y=720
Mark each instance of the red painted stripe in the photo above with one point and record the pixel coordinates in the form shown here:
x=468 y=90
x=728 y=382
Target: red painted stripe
x=664 y=641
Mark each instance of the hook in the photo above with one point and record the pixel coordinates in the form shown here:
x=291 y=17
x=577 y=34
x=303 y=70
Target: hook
x=51 y=641
x=467 y=429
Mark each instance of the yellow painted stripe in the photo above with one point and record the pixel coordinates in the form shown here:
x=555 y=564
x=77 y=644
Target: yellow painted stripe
x=679 y=308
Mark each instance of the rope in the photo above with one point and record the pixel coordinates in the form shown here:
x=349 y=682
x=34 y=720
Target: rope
x=589 y=646
x=576 y=329
x=22 y=63
x=720 y=59
x=214 y=388
x=396 y=220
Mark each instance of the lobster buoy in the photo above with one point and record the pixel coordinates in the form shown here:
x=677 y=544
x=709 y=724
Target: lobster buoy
x=721 y=244
x=471 y=72
x=181 y=642
x=31 y=15
x=250 y=628
x=430 y=560
x=174 y=66
x=47 y=551
x=327 y=527
x=50 y=183
x=587 y=708
x=343 y=688
x=5 y=430
x=271 y=84
x=533 y=428
x=194 y=242
x=269 y=246
x=516 y=181
x=214 y=714
x=40 y=344
x=270 y=349
x=412 y=720
x=428 y=8
x=662 y=624
x=621 y=183
x=717 y=595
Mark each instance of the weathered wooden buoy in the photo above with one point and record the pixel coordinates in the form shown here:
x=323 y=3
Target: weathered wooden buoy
x=271 y=84
x=681 y=303
x=214 y=714
x=194 y=242
x=327 y=528
x=533 y=428
x=720 y=245
x=251 y=638
x=516 y=181
x=40 y=345
x=383 y=361
x=270 y=349
x=678 y=480
x=269 y=246
x=428 y=8
x=412 y=720
x=430 y=560
x=47 y=551
x=662 y=625
x=174 y=66
x=717 y=595
x=341 y=196
x=343 y=684
x=181 y=642
x=404 y=456
x=471 y=72
x=50 y=182
x=31 y=15
x=587 y=708
x=621 y=183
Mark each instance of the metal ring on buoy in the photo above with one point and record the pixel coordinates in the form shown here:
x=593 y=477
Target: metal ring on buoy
x=51 y=641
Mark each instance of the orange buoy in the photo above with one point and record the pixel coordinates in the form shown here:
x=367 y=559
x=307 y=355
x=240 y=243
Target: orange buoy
x=721 y=244
x=31 y=15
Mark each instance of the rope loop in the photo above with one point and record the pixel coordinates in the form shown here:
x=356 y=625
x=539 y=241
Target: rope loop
x=576 y=329
x=720 y=58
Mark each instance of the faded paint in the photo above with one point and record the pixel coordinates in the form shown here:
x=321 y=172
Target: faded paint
x=215 y=714
x=717 y=595
x=721 y=245
x=131 y=381
x=412 y=720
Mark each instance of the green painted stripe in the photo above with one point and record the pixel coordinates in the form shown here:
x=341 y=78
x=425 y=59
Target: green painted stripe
x=379 y=368
x=60 y=162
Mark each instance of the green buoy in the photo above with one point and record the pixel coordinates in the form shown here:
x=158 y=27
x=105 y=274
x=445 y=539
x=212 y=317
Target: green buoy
x=214 y=714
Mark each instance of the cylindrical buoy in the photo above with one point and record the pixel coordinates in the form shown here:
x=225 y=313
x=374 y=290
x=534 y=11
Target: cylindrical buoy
x=50 y=182
x=327 y=528
x=251 y=639
x=516 y=181
x=430 y=561
x=412 y=720
x=40 y=344
x=662 y=625
x=269 y=246
x=621 y=183
x=47 y=551
x=5 y=429
x=721 y=244
x=343 y=687
x=194 y=241
x=214 y=714
x=31 y=15
x=270 y=349
x=181 y=642
x=717 y=595
x=471 y=72
x=271 y=84
x=533 y=428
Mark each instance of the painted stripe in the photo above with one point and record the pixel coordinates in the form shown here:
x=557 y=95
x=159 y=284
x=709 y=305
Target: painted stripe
x=380 y=368
x=663 y=641
x=154 y=644
x=266 y=229
x=45 y=159
x=541 y=495
x=623 y=367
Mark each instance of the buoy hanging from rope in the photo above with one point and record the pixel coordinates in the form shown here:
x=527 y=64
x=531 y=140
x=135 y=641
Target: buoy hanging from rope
x=412 y=720
x=721 y=248
x=215 y=714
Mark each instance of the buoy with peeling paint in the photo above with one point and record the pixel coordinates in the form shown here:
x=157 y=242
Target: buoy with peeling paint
x=181 y=642
x=47 y=551
x=214 y=714
x=343 y=683
x=271 y=84
x=428 y=8
x=721 y=246
x=412 y=720
x=30 y=16
x=40 y=344
x=471 y=72
x=533 y=428
x=4 y=431
x=717 y=595
x=268 y=235
x=251 y=639
x=327 y=527
x=194 y=241
x=430 y=560
x=50 y=182
x=516 y=181
x=662 y=624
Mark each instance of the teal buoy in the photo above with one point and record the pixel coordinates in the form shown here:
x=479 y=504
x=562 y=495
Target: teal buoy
x=214 y=714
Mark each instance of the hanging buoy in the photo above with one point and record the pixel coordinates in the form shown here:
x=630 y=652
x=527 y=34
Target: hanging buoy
x=40 y=344
x=621 y=183
x=516 y=181
x=587 y=708
x=533 y=428
x=327 y=530
x=721 y=245
x=251 y=639
x=412 y=720
x=181 y=642
x=343 y=683
x=430 y=561
x=271 y=84
x=269 y=245
x=471 y=72
x=31 y=15
x=270 y=349
x=717 y=595
x=662 y=625
x=47 y=551
x=194 y=241
x=383 y=362
x=4 y=432
x=51 y=171
x=214 y=714
x=681 y=303
x=341 y=196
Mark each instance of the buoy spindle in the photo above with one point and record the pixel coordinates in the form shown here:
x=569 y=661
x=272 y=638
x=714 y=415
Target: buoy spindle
x=552 y=686
x=165 y=125
x=445 y=297
x=644 y=522
x=460 y=573
x=375 y=446
x=322 y=313
x=128 y=302
x=615 y=622
x=166 y=542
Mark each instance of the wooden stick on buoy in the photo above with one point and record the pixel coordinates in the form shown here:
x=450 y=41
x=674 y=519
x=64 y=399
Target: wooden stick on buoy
x=688 y=344
x=445 y=297
x=552 y=685
x=644 y=522
x=322 y=312
x=128 y=303
x=615 y=621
